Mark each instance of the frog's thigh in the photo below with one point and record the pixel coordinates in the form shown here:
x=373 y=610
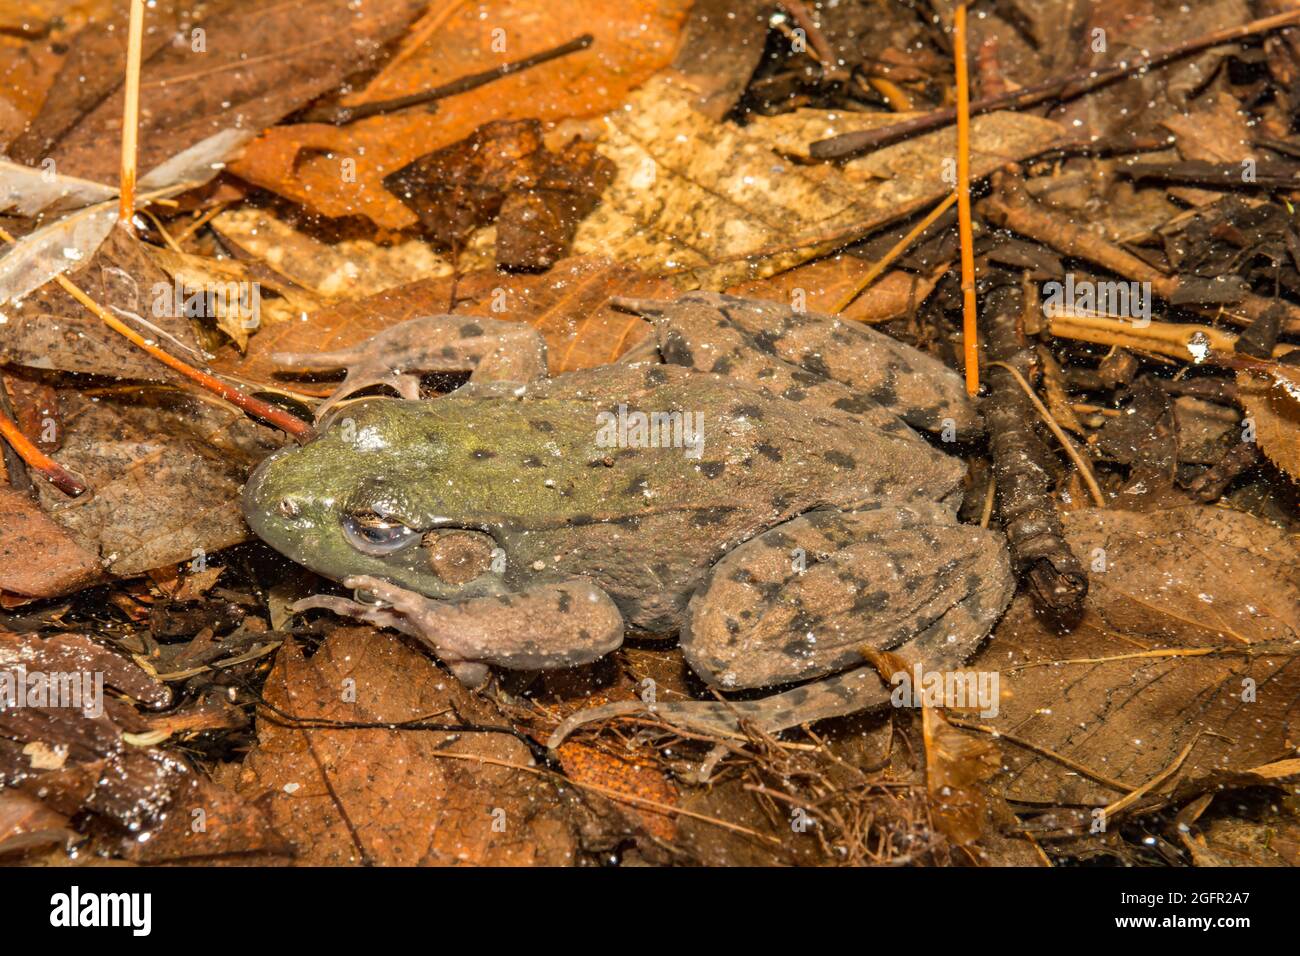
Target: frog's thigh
x=803 y=599
x=561 y=624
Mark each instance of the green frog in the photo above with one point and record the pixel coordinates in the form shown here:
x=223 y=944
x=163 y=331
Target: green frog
x=754 y=480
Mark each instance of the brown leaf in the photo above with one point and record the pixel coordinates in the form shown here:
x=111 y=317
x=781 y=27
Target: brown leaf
x=345 y=269
x=77 y=653
x=822 y=285
x=349 y=797
x=714 y=204
x=632 y=40
x=258 y=63
x=51 y=330
x=166 y=470
x=38 y=558
x=1276 y=414
x=503 y=172
x=958 y=766
x=1189 y=636
x=566 y=304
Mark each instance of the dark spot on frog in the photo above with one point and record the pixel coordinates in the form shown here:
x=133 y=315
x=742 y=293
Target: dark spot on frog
x=712 y=469
x=748 y=411
x=448 y=352
x=564 y=603
x=733 y=628
x=541 y=425
x=769 y=451
x=532 y=461
x=856 y=404
x=765 y=341
x=627 y=521
x=722 y=366
x=781 y=502
x=675 y=350
x=584 y=636
x=875 y=601
x=606 y=462
x=655 y=375
x=793 y=394
x=482 y=453
x=798 y=649
x=637 y=486
x=707 y=516
x=885 y=393
x=765 y=372
x=814 y=363
x=806 y=379
x=742 y=576
x=781 y=540
x=839 y=459
x=471 y=330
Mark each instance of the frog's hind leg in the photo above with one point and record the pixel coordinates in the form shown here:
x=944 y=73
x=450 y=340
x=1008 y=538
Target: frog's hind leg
x=813 y=596
x=489 y=349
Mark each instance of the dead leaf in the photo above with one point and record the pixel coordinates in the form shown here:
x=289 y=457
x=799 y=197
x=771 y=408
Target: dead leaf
x=392 y=797
x=38 y=558
x=822 y=285
x=166 y=470
x=713 y=204
x=346 y=269
x=566 y=304
x=958 y=766
x=1190 y=636
x=1276 y=414
x=256 y=63
x=503 y=172
x=51 y=330
x=456 y=39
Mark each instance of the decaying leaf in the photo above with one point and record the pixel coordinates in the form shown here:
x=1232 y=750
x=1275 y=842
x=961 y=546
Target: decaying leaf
x=1191 y=635
x=346 y=269
x=307 y=162
x=1275 y=413
x=822 y=285
x=38 y=558
x=243 y=76
x=166 y=469
x=567 y=305
x=503 y=172
x=712 y=204
x=398 y=797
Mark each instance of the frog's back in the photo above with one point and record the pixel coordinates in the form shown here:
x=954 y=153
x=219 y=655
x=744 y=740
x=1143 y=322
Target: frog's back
x=642 y=476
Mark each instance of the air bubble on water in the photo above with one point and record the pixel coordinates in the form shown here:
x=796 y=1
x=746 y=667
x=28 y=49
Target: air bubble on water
x=1199 y=347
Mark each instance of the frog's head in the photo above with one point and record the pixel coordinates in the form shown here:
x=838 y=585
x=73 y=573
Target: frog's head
x=364 y=498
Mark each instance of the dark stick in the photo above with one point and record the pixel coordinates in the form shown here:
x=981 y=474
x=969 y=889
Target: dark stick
x=1040 y=554
x=342 y=115
x=1063 y=88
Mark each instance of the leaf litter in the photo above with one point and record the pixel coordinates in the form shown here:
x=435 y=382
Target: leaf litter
x=675 y=151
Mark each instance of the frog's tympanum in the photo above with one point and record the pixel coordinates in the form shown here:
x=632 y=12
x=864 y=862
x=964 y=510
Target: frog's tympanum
x=758 y=486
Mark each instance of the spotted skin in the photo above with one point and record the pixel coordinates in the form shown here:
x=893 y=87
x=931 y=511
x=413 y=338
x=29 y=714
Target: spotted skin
x=811 y=523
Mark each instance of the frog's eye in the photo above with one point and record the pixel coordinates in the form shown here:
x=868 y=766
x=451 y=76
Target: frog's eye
x=376 y=535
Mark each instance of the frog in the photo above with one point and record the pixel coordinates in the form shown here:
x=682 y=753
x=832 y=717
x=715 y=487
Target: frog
x=792 y=517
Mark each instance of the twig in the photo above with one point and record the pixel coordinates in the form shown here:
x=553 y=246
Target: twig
x=896 y=250
x=131 y=114
x=816 y=39
x=1056 y=579
x=970 y=335
x=271 y=414
x=1065 y=761
x=342 y=115
x=1065 y=87
x=1128 y=800
x=1085 y=470
x=38 y=461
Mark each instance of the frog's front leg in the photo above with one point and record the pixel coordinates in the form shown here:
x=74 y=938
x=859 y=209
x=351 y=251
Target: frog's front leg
x=806 y=598
x=489 y=349
x=546 y=626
